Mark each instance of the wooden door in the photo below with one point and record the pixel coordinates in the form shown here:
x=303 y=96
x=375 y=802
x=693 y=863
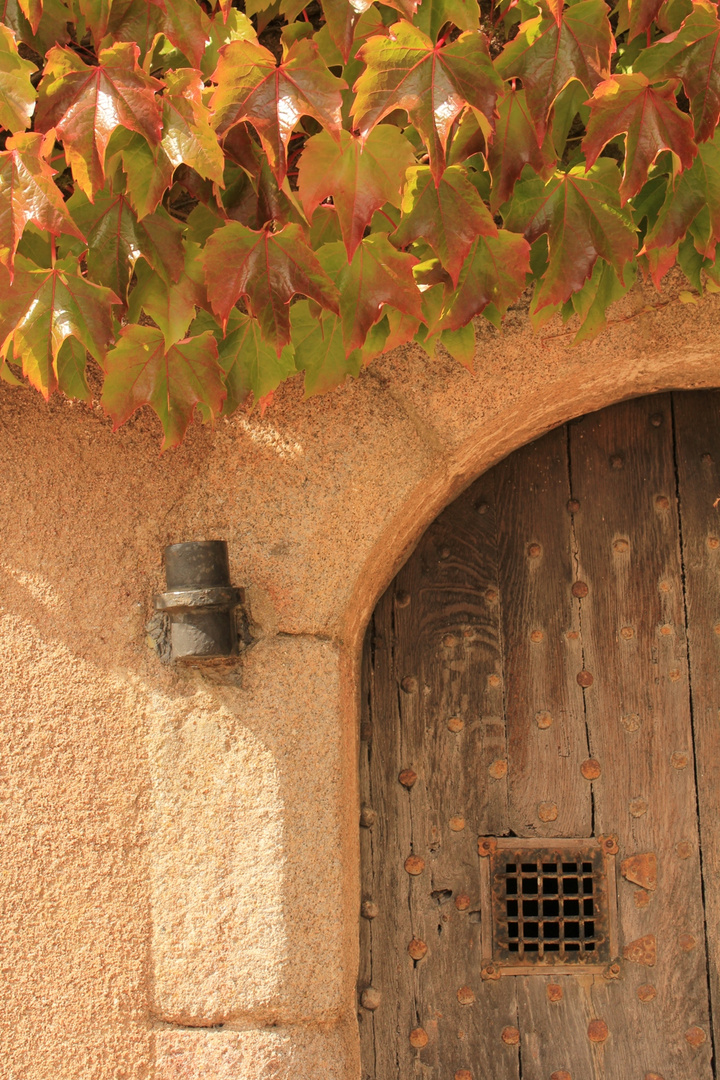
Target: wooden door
x=542 y=689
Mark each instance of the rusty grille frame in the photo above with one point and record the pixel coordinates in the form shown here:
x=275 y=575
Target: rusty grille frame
x=496 y=853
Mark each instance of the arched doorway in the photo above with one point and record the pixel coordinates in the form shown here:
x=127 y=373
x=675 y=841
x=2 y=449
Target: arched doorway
x=540 y=766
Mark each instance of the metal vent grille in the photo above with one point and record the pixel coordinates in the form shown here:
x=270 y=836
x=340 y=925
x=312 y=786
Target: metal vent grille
x=547 y=903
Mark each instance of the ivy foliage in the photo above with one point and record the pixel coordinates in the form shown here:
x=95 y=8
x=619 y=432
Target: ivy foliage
x=204 y=198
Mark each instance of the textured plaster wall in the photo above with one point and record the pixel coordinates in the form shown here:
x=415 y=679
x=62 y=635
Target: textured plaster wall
x=179 y=865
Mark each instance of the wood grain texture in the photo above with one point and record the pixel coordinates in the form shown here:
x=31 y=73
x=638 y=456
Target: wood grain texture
x=528 y=670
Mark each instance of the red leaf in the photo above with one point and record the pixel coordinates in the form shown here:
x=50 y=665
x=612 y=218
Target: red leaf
x=692 y=54
x=642 y=14
x=361 y=179
x=515 y=145
x=28 y=193
x=450 y=216
x=582 y=219
x=186 y=25
x=547 y=55
x=51 y=306
x=139 y=371
x=273 y=98
x=432 y=83
x=268 y=269
x=493 y=274
x=86 y=104
x=651 y=121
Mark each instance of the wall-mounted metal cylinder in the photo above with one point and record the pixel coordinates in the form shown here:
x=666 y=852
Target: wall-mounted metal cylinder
x=200 y=600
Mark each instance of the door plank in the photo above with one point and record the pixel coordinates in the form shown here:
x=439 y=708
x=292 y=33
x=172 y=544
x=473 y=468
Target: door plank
x=697 y=438
x=638 y=719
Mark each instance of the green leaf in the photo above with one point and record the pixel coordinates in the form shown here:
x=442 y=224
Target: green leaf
x=139 y=371
x=450 y=216
x=250 y=364
x=188 y=136
x=492 y=277
x=377 y=275
x=28 y=194
x=148 y=169
x=583 y=221
x=170 y=306
x=70 y=365
x=32 y=10
x=547 y=55
x=515 y=145
x=641 y=15
x=433 y=15
x=138 y=21
x=461 y=344
x=58 y=303
x=360 y=178
x=432 y=83
x=695 y=192
x=592 y=301
x=649 y=118
x=17 y=93
x=116 y=240
x=86 y=104
x=236 y=27
x=187 y=26
x=51 y=29
x=692 y=54
x=267 y=269
x=273 y=98
x=320 y=350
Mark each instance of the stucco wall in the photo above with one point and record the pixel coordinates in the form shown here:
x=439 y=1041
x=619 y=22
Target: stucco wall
x=179 y=861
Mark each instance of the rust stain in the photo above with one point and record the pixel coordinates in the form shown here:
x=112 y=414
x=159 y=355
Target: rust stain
x=647 y=992
x=510 y=1036
x=590 y=769
x=418 y=1038
x=407 y=778
x=547 y=811
x=614 y=971
x=687 y=942
x=417 y=948
x=462 y=901
x=466 y=996
x=642 y=951
x=554 y=992
x=684 y=849
x=641 y=870
x=695 y=1036
x=491 y=973
x=486 y=845
x=641 y=898
x=597 y=1031
x=609 y=843
x=498 y=769
x=414 y=865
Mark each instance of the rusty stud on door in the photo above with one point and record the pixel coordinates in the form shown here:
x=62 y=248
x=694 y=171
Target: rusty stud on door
x=418 y=1038
x=493 y=680
x=612 y=971
x=573 y=505
x=561 y=1075
x=457 y=824
x=680 y=760
x=482 y=507
x=554 y=992
x=491 y=595
x=414 y=865
x=491 y=973
x=510 y=1036
x=673 y=675
x=684 y=849
x=409 y=684
x=537 y=636
x=666 y=630
x=534 y=551
x=631 y=722
x=706 y=458
x=462 y=901
x=402 y=598
x=647 y=992
x=654 y=1076
x=368 y=817
x=638 y=807
x=656 y=419
x=407 y=778
x=370 y=998
x=463 y=1074
x=444 y=553
x=498 y=769
x=597 y=1031
x=641 y=870
x=369 y=909
x=621 y=545
x=642 y=951
x=584 y=679
x=417 y=948
x=627 y=632
x=449 y=641
x=466 y=996
x=547 y=811
x=609 y=843
x=687 y=942
x=713 y=542
x=455 y=724
x=665 y=586
x=616 y=461
x=590 y=769
x=662 y=502
x=580 y=589
x=695 y=1036
x=543 y=720
x=486 y=845
x=641 y=898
